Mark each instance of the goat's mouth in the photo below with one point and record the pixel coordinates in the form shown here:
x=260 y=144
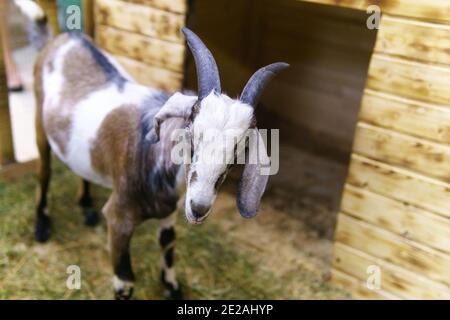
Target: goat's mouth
x=196 y=220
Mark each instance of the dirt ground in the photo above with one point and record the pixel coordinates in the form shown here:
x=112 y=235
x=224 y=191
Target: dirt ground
x=277 y=255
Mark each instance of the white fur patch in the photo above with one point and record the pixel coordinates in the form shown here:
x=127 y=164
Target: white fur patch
x=119 y=284
x=88 y=116
x=223 y=122
x=53 y=82
x=171 y=277
x=31 y=9
x=167 y=222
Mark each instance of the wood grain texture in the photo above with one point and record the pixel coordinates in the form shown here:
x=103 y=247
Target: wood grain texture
x=358 y=288
x=422 y=9
x=394 y=279
x=140 y=19
x=415 y=40
x=152 y=76
x=394 y=249
x=413 y=117
x=400 y=184
x=88 y=17
x=51 y=11
x=15 y=171
x=410 y=79
x=177 y=6
x=423 y=156
x=399 y=217
x=329 y=53
x=164 y=54
x=6 y=138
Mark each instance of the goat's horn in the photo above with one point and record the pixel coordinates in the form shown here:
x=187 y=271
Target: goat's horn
x=207 y=72
x=255 y=86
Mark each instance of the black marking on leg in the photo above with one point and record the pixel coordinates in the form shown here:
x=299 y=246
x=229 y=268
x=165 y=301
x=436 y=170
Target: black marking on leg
x=171 y=292
x=91 y=217
x=166 y=237
x=124 y=273
x=168 y=257
x=86 y=200
x=123 y=269
x=42 y=227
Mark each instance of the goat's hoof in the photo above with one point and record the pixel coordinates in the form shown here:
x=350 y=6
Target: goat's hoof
x=170 y=292
x=123 y=294
x=91 y=217
x=42 y=229
x=173 y=294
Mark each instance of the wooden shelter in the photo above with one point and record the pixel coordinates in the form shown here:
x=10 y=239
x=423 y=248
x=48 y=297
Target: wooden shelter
x=395 y=207
x=379 y=99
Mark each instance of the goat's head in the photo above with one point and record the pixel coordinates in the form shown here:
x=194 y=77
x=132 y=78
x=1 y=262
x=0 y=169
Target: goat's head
x=218 y=130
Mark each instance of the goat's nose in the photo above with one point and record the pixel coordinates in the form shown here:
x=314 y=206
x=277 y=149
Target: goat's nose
x=199 y=210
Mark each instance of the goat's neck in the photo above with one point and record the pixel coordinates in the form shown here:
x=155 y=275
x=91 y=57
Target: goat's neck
x=159 y=181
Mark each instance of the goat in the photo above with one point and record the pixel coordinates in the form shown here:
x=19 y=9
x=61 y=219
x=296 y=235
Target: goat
x=30 y=9
x=111 y=131
x=38 y=31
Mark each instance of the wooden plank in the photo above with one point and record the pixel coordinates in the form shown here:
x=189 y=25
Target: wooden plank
x=305 y=107
x=410 y=79
x=401 y=218
x=88 y=17
x=51 y=11
x=177 y=6
x=416 y=40
x=423 y=9
x=150 y=75
x=394 y=279
x=164 y=54
x=343 y=30
x=15 y=171
x=394 y=249
x=358 y=288
x=6 y=138
x=140 y=19
x=428 y=158
x=409 y=116
x=400 y=184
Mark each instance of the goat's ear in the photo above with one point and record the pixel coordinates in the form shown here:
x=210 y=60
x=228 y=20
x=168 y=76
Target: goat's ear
x=178 y=105
x=254 y=177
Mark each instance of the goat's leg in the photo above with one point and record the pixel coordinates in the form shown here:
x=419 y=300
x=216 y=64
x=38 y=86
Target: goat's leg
x=85 y=201
x=166 y=237
x=120 y=230
x=42 y=226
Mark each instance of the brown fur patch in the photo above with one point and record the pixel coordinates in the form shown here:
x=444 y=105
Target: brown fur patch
x=117 y=134
x=82 y=74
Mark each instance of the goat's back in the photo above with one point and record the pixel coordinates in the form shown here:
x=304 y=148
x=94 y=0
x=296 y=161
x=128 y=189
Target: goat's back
x=76 y=87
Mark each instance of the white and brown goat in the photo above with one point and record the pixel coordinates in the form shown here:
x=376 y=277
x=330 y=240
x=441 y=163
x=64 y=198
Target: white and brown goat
x=111 y=131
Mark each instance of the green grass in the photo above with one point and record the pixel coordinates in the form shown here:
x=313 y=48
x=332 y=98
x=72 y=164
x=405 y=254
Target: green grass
x=210 y=263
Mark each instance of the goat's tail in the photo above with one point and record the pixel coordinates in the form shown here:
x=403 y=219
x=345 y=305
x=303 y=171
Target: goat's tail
x=38 y=31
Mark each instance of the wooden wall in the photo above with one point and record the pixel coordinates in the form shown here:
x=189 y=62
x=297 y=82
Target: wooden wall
x=395 y=209
x=6 y=139
x=329 y=53
x=145 y=37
